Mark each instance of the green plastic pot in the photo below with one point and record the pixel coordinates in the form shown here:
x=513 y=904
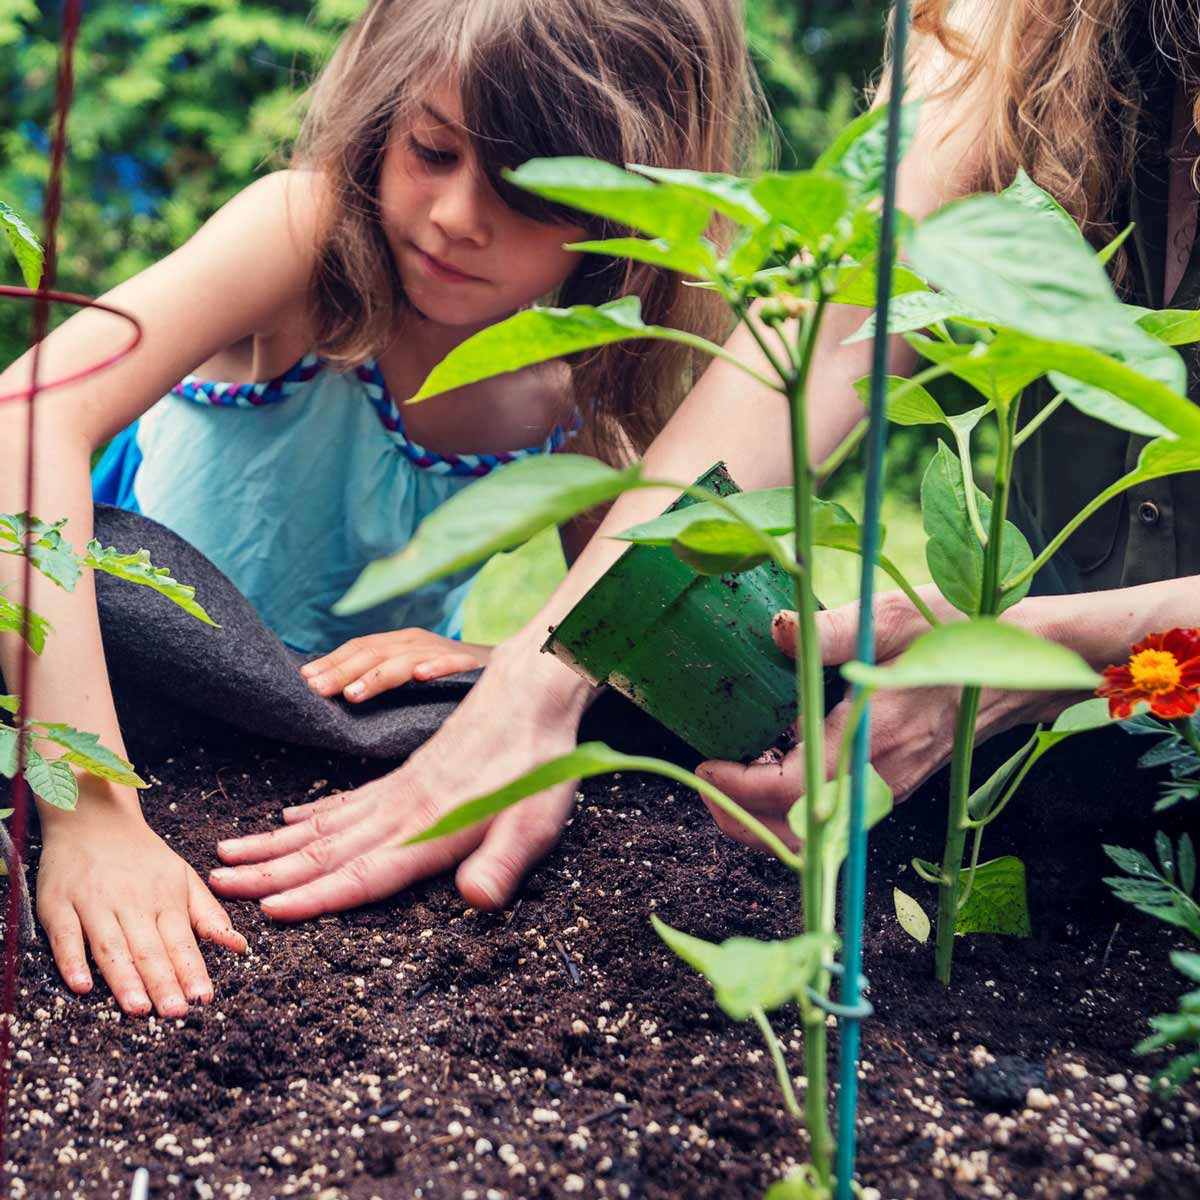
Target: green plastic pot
x=694 y=651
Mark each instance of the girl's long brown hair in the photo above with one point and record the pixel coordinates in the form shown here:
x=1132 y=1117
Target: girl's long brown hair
x=1057 y=88
x=660 y=82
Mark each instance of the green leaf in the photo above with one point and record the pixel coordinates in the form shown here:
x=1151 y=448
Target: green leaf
x=1036 y=276
x=85 y=751
x=12 y=620
x=541 y=334
x=909 y=312
x=1173 y=327
x=8 y=751
x=10 y=703
x=1105 y=254
x=981 y=652
x=24 y=244
x=953 y=552
x=49 y=552
x=835 y=796
x=1027 y=193
x=588 y=759
x=800 y=1184
x=997 y=901
x=859 y=153
x=1187 y=864
x=747 y=974
x=728 y=194
x=907 y=403
x=809 y=202
x=720 y=547
x=605 y=190
x=501 y=510
x=856 y=284
x=1104 y=406
x=699 y=259
x=769 y=509
x=991 y=372
x=51 y=780
x=137 y=568
x=988 y=794
x=911 y=916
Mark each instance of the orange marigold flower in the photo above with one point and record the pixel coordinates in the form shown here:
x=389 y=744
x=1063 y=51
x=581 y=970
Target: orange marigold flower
x=1163 y=670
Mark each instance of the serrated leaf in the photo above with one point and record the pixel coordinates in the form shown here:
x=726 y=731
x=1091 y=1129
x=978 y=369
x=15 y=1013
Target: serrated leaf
x=51 y=780
x=13 y=618
x=911 y=916
x=997 y=902
x=502 y=510
x=1165 y=853
x=747 y=974
x=85 y=751
x=48 y=550
x=24 y=244
x=137 y=568
x=981 y=652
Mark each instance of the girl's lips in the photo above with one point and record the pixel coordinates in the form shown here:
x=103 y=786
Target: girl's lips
x=443 y=271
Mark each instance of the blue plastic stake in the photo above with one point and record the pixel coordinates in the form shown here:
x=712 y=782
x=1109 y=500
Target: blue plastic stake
x=856 y=861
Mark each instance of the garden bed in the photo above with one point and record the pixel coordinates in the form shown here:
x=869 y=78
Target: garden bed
x=418 y=1049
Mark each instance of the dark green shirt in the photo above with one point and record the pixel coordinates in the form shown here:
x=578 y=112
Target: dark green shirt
x=1152 y=532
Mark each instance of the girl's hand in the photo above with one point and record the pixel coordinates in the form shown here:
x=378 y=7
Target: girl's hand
x=107 y=880
x=347 y=850
x=363 y=667
x=912 y=731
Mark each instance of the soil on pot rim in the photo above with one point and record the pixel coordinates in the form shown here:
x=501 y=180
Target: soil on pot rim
x=416 y=1048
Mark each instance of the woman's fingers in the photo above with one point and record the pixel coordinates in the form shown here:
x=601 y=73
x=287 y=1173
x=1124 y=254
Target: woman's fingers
x=175 y=932
x=261 y=847
x=153 y=963
x=115 y=961
x=301 y=812
x=62 y=926
x=515 y=841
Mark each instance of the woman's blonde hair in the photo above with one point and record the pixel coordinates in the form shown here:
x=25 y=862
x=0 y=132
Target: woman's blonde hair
x=660 y=82
x=1058 y=89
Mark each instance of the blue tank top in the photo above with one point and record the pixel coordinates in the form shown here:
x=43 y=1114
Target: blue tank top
x=291 y=487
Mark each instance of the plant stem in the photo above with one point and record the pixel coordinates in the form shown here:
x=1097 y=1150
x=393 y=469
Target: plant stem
x=1037 y=421
x=894 y=573
x=957 y=820
x=781 y=1068
x=810 y=694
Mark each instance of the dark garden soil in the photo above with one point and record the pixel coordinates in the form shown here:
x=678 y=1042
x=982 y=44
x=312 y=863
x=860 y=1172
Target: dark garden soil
x=419 y=1049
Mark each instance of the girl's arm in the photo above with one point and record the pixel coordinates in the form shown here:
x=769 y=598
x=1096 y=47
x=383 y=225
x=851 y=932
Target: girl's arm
x=105 y=878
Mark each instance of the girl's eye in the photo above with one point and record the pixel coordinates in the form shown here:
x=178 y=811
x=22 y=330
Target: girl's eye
x=431 y=155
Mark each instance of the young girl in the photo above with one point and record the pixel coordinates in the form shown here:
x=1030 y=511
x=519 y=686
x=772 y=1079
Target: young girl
x=1099 y=100
x=328 y=292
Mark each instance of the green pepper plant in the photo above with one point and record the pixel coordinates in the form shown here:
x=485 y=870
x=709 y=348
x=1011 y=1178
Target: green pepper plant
x=801 y=242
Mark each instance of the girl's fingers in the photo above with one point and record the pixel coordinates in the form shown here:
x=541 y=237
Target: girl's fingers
x=301 y=812
x=209 y=919
x=111 y=952
x=445 y=664
x=153 y=963
x=382 y=676
x=61 y=923
x=175 y=931
x=261 y=847
x=334 y=678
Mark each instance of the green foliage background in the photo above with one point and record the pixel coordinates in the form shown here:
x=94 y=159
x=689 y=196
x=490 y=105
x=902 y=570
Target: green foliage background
x=181 y=103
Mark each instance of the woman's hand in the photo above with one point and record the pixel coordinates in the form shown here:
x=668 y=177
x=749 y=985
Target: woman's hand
x=912 y=731
x=347 y=850
x=363 y=667
x=108 y=881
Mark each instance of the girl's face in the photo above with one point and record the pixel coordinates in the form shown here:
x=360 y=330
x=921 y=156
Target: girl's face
x=464 y=257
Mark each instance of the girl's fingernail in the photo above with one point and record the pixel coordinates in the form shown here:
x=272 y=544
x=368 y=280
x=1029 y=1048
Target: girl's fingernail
x=220 y=874
x=139 y=1000
x=79 y=979
x=355 y=689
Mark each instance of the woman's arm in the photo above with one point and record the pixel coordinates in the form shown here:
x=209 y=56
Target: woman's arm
x=227 y=283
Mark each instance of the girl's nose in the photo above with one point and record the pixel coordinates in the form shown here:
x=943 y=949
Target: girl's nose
x=461 y=210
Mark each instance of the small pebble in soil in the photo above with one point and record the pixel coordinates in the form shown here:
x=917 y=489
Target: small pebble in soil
x=1005 y=1083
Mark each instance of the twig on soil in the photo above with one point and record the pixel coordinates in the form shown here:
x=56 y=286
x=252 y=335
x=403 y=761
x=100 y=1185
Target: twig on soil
x=16 y=870
x=572 y=970
x=604 y=1114
x=219 y=788
x=1108 y=948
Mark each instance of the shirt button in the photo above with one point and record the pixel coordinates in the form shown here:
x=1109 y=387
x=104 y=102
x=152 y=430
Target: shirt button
x=1148 y=513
